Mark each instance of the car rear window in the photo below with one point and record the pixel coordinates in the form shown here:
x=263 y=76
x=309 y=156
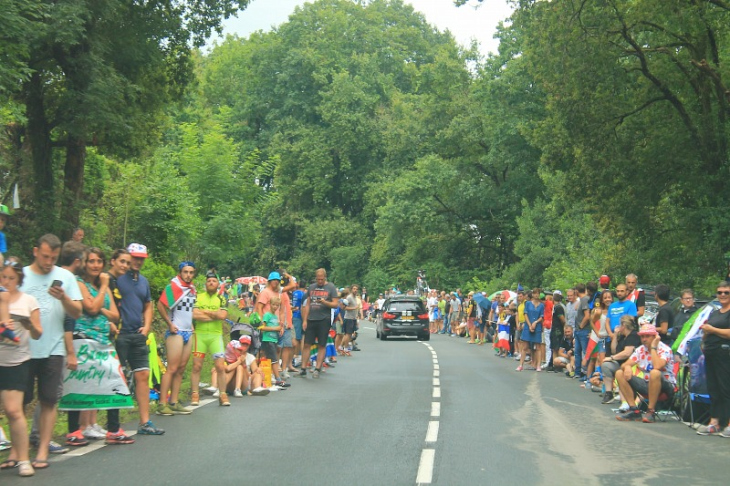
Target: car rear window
x=405 y=306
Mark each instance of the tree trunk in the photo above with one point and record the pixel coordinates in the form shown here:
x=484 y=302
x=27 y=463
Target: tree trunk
x=39 y=139
x=73 y=183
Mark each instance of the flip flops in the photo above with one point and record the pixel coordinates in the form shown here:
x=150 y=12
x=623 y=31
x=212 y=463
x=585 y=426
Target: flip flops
x=40 y=464
x=9 y=464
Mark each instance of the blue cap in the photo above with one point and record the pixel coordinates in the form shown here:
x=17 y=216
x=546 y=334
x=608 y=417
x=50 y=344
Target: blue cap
x=274 y=276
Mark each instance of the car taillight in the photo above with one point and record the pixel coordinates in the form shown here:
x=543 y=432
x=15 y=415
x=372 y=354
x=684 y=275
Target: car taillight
x=423 y=316
x=388 y=315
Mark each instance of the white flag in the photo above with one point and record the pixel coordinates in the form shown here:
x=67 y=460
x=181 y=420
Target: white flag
x=16 y=197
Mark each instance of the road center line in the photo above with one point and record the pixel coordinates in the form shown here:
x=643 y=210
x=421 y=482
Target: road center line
x=436 y=392
x=436 y=382
x=432 y=434
x=436 y=372
x=425 y=467
x=435 y=409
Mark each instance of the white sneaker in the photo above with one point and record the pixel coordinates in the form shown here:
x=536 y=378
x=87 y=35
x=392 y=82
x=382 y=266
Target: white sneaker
x=216 y=393
x=237 y=392
x=211 y=390
x=260 y=391
x=624 y=407
x=285 y=375
x=517 y=356
x=100 y=429
x=92 y=434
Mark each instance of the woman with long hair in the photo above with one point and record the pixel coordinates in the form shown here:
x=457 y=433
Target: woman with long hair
x=15 y=359
x=97 y=322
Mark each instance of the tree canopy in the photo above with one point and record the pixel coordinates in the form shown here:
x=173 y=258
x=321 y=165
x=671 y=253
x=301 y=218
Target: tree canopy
x=359 y=138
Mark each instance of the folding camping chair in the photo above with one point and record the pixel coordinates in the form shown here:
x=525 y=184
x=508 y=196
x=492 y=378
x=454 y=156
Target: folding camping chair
x=697 y=388
x=665 y=403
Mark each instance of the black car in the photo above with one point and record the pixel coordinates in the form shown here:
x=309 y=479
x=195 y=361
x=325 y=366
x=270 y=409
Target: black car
x=403 y=316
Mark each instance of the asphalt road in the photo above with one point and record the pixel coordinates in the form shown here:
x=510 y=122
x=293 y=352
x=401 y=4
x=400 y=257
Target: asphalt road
x=403 y=411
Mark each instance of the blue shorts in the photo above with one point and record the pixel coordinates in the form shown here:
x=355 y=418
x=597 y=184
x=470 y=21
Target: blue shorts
x=285 y=340
x=601 y=346
x=297 y=322
x=186 y=335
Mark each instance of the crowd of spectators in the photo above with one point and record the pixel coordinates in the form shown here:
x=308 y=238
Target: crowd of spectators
x=71 y=297
x=602 y=337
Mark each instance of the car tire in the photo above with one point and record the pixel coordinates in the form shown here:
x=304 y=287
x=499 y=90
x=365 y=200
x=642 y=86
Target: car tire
x=424 y=337
x=383 y=337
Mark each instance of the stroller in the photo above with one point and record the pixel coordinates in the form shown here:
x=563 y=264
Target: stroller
x=239 y=329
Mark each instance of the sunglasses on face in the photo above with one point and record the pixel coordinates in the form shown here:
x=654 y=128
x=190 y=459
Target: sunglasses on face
x=723 y=292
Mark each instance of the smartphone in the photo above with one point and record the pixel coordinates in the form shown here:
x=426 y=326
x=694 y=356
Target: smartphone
x=57 y=283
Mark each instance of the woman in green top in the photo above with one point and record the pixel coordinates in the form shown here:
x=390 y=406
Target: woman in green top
x=97 y=322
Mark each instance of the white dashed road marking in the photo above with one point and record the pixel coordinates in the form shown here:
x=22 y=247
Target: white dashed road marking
x=428 y=454
x=432 y=434
x=425 y=467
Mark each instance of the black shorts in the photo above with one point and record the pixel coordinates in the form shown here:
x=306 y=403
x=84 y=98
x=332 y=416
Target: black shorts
x=349 y=326
x=556 y=338
x=641 y=386
x=133 y=351
x=317 y=331
x=49 y=372
x=15 y=377
x=268 y=349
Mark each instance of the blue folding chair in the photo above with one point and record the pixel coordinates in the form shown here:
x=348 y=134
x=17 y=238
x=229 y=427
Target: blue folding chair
x=698 y=393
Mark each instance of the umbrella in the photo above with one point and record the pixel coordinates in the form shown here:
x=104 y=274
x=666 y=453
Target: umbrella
x=255 y=279
x=508 y=295
x=482 y=301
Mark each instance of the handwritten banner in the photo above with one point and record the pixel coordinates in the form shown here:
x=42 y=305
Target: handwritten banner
x=98 y=382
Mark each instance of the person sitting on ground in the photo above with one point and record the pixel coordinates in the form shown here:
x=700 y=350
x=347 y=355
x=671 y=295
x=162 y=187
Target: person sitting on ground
x=655 y=361
x=627 y=340
x=242 y=373
x=564 y=358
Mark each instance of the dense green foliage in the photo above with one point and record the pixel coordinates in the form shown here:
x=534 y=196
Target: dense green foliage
x=358 y=138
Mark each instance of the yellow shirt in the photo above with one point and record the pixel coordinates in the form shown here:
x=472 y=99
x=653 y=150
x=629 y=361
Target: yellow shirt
x=521 y=313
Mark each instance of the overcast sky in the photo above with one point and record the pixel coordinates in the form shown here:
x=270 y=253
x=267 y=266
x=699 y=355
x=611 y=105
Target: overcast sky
x=465 y=23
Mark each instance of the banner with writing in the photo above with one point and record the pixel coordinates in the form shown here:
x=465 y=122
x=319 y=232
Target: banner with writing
x=98 y=382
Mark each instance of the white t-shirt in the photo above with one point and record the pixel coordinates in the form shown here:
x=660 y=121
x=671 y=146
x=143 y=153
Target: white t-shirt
x=432 y=302
x=52 y=313
x=12 y=354
x=379 y=303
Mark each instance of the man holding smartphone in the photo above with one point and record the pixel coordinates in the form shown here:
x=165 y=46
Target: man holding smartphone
x=58 y=294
